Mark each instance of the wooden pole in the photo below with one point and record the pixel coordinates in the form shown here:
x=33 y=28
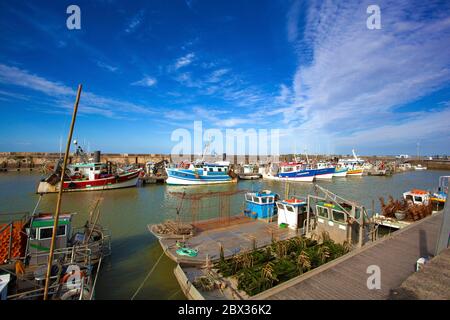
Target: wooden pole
x=58 y=202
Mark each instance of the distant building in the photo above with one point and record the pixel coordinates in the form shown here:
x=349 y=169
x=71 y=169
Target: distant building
x=402 y=156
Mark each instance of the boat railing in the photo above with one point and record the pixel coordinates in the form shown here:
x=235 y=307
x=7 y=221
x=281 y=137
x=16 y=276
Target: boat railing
x=104 y=243
x=76 y=254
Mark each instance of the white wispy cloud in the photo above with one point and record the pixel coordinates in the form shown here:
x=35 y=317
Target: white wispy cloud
x=184 y=61
x=216 y=76
x=63 y=95
x=355 y=78
x=107 y=66
x=135 y=22
x=212 y=116
x=145 y=82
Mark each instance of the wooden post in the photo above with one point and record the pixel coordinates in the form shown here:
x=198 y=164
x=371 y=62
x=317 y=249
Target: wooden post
x=58 y=202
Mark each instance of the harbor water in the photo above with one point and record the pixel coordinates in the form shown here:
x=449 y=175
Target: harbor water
x=127 y=212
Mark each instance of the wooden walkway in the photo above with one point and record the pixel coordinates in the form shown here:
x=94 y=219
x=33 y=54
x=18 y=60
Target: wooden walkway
x=346 y=277
x=431 y=283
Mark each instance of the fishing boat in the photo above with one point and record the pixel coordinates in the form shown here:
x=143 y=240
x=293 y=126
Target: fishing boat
x=441 y=194
x=249 y=172
x=295 y=171
x=340 y=172
x=419 y=167
x=199 y=173
x=24 y=249
x=324 y=170
x=355 y=166
x=261 y=205
x=89 y=175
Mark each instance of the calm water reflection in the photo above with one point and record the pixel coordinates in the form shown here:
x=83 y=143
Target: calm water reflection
x=127 y=212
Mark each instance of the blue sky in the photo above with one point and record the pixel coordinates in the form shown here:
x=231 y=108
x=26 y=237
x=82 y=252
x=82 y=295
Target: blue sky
x=312 y=69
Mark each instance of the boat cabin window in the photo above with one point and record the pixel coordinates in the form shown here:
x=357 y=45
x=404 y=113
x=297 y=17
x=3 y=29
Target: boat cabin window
x=357 y=213
x=263 y=199
x=219 y=169
x=417 y=199
x=290 y=208
x=210 y=169
x=97 y=168
x=205 y=169
x=322 y=212
x=280 y=206
x=224 y=169
x=270 y=199
x=248 y=197
x=338 y=216
x=255 y=199
x=46 y=233
x=409 y=197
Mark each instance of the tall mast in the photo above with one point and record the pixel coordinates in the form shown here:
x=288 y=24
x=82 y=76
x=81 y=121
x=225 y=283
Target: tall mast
x=58 y=202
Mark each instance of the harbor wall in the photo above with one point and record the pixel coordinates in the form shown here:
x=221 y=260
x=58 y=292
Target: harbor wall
x=35 y=160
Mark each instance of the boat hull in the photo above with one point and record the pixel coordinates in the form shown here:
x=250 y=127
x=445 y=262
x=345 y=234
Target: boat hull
x=340 y=173
x=126 y=180
x=249 y=176
x=325 y=173
x=295 y=179
x=355 y=173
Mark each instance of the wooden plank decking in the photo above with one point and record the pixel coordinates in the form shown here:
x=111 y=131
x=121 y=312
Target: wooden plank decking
x=432 y=282
x=346 y=277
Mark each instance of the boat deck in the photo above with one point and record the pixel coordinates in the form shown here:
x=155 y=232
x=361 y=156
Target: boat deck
x=346 y=277
x=237 y=237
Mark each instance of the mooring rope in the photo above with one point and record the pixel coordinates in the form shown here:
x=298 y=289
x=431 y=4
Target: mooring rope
x=148 y=275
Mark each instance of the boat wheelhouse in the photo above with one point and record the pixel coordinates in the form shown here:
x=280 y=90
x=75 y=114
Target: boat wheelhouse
x=249 y=172
x=261 y=205
x=417 y=196
x=199 y=173
x=292 y=213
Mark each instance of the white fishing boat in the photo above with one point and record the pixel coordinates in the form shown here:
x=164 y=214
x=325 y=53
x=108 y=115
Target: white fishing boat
x=355 y=166
x=419 y=167
x=89 y=175
x=249 y=172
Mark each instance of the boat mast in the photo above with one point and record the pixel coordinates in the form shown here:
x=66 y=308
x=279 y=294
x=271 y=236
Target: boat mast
x=58 y=202
x=354 y=155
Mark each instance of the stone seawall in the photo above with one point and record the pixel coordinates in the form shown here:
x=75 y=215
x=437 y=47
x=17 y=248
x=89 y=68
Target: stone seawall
x=35 y=160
